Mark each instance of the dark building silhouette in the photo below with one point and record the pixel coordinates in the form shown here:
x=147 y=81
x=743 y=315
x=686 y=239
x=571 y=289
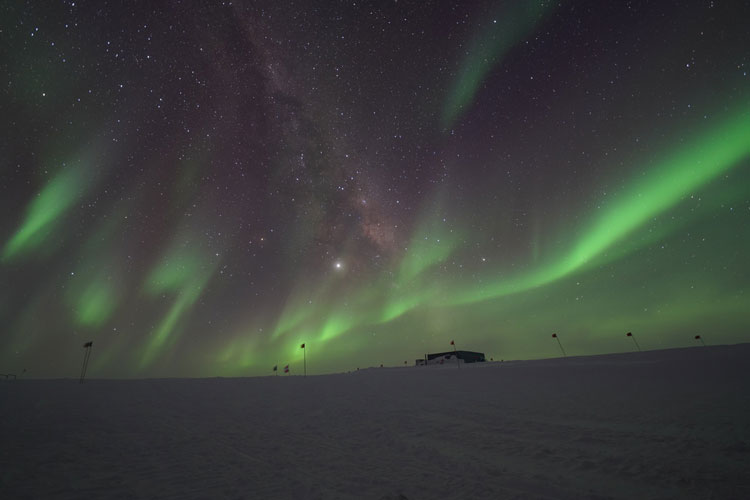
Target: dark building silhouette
x=441 y=357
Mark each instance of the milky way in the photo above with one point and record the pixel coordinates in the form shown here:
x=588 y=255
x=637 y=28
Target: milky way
x=200 y=189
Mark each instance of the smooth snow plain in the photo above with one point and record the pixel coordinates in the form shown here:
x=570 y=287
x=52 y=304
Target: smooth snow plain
x=658 y=424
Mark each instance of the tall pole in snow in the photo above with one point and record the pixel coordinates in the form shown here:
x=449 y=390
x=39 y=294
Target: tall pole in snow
x=87 y=347
x=304 y=358
x=458 y=363
x=698 y=337
x=554 y=336
x=630 y=334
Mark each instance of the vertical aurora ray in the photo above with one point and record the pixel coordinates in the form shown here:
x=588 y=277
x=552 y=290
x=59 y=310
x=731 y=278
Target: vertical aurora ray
x=415 y=282
x=430 y=246
x=184 y=273
x=185 y=299
x=510 y=24
x=54 y=200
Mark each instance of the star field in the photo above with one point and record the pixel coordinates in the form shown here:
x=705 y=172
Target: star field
x=200 y=188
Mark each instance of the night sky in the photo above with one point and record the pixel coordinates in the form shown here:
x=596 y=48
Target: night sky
x=200 y=187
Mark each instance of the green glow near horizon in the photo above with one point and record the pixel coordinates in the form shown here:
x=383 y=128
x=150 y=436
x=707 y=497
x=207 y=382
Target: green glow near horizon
x=54 y=200
x=301 y=306
x=316 y=314
x=417 y=281
x=510 y=25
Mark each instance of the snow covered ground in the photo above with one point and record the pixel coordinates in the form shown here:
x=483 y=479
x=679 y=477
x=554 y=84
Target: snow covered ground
x=659 y=424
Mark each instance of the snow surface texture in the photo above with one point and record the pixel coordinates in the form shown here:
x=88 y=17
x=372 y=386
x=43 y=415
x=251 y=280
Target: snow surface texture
x=659 y=424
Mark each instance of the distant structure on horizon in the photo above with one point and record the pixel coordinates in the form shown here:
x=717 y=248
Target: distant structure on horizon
x=440 y=358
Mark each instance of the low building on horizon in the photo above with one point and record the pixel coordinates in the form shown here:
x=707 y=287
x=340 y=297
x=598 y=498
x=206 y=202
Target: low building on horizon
x=440 y=358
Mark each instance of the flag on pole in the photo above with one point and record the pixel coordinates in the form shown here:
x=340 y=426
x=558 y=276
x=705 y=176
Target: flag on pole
x=88 y=344
x=453 y=343
x=286 y=369
x=697 y=337
x=554 y=336
x=302 y=346
x=630 y=334
x=275 y=367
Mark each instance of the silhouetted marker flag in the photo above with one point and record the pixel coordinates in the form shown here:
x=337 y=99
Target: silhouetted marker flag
x=304 y=357
x=698 y=337
x=554 y=336
x=87 y=346
x=286 y=369
x=630 y=334
x=276 y=369
x=458 y=363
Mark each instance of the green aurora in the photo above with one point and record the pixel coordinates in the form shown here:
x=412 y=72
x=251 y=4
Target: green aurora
x=681 y=172
x=461 y=198
x=510 y=24
x=414 y=290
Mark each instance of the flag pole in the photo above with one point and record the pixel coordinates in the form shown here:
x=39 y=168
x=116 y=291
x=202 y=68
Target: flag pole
x=630 y=334
x=554 y=336
x=85 y=353
x=698 y=337
x=87 y=347
x=458 y=363
x=304 y=358
x=88 y=357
